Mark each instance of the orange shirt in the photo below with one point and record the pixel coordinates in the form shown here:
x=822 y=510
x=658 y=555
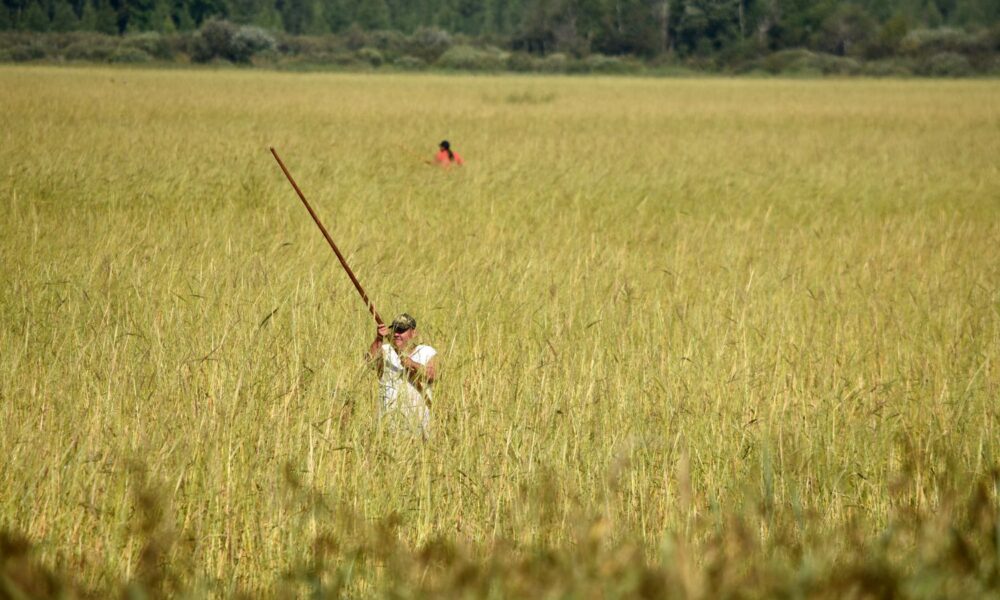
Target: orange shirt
x=441 y=158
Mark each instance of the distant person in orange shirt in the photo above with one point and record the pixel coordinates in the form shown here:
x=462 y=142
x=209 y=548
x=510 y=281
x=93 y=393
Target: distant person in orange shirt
x=447 y=157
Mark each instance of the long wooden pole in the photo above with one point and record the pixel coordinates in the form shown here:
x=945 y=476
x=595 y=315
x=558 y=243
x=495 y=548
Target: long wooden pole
x=343 y=263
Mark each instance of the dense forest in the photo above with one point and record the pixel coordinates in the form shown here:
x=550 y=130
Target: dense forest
x=644 y=30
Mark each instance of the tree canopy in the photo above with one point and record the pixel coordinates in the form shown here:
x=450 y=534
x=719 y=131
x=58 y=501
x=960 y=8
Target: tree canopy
x=645 y=28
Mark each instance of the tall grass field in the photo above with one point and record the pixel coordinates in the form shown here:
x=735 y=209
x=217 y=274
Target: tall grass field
x=698 y=338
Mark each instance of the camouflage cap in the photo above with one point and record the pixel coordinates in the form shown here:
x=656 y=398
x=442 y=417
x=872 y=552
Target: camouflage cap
x=403 y=322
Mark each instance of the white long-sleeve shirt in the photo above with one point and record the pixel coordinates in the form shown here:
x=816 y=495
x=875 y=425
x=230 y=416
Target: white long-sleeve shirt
x=398 y=397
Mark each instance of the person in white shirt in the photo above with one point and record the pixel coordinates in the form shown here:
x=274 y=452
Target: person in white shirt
x=406 y=372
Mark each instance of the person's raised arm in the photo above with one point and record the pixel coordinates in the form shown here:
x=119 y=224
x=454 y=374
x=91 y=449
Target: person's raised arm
x=375 y=350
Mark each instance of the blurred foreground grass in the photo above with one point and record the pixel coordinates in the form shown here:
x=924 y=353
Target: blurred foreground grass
x=699 y=338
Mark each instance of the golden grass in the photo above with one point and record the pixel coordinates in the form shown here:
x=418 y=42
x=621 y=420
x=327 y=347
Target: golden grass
x=656 y=301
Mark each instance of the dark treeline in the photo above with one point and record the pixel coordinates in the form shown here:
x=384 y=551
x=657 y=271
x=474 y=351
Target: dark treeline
x=643 y=28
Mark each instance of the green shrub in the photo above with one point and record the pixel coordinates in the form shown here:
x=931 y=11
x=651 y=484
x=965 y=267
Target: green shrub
x=471 y=59
x=150 y=42
x=319 y=62
x=98 y=48
x=309 y=44
x=927 y=42
x=600 y=63
x=389 y=43
x=428 y=43
x=213 y=39
x=521 y=62
x=804 y=62
x=127 y=54
x=371 y=56
x=990 y=38
x=782 y=61
x=666 y=63
x=222 y=39
x=25 y=52
x=356 y=38
x=739 y=53
x=248 y=41
x=992 y=66
x=9 y=39
x=409 y=63
x=887 y=68
x=696 y=63
x=838 y=65
x=557 y=62
x=946 y=64
x=322 y=59
x=341 y=59
x=179 y=45
x=266 y=57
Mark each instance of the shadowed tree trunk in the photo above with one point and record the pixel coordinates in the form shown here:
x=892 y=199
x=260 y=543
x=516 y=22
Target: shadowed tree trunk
x=662 y=15
x=770 y=18
x=742 y=22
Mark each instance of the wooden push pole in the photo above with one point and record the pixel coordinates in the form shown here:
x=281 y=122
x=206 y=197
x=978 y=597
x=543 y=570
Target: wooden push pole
x=343 y=263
